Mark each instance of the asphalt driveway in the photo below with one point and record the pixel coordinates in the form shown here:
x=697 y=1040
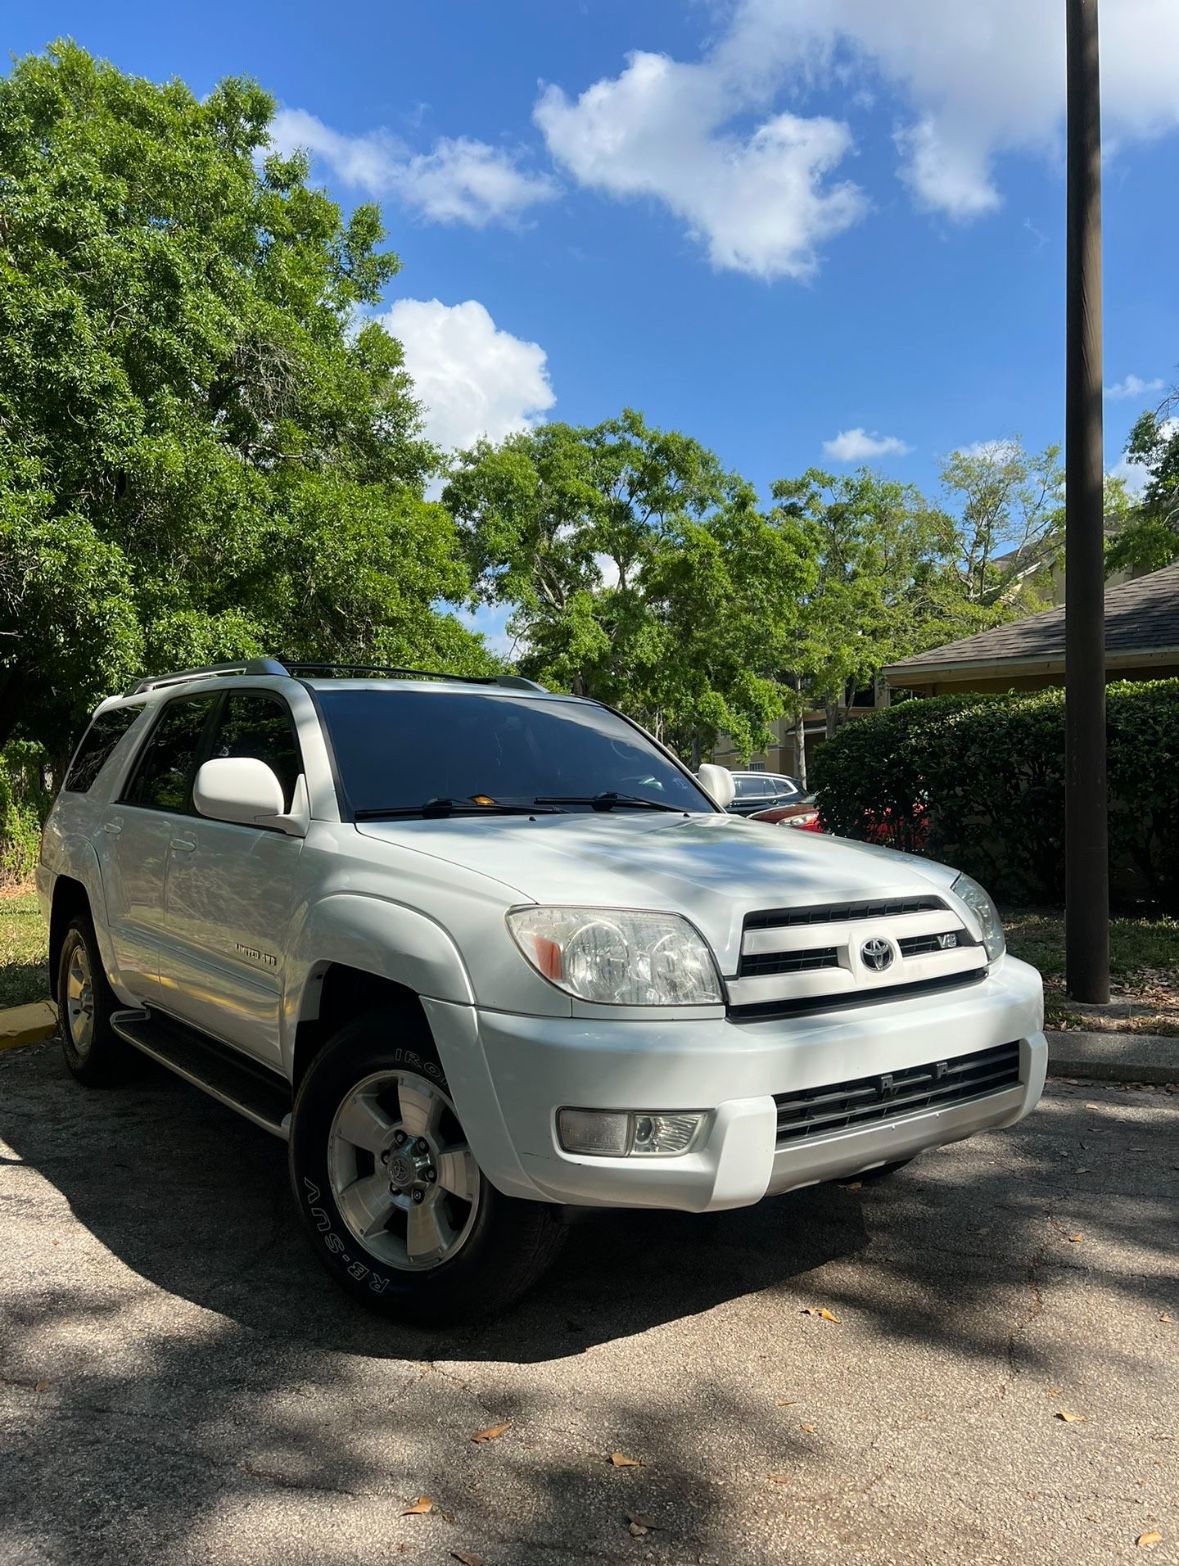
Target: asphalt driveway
x=179 y=1382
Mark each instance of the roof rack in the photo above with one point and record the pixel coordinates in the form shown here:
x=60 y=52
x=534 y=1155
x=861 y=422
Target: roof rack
x=208 y=671
x=387 y=672
x=291 y=667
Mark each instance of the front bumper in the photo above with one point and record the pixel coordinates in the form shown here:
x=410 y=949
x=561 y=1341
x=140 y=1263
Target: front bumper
x=532 y=1066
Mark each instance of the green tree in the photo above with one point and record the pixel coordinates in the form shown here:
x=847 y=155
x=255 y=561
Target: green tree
x=1010 y=509
x=204 y=451
x=1148 y=535
x=636 y=571
x=887 y=583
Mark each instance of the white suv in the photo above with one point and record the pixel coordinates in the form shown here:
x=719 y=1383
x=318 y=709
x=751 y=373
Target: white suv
x=480 y=952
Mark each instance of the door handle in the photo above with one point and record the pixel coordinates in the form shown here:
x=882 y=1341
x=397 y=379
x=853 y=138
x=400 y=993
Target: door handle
x=183 y=845
x=113 y=827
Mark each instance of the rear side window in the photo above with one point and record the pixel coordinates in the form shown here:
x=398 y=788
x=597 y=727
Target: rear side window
x=163 y=778
x=260 y=727
x=97 y=744
x=752 y=788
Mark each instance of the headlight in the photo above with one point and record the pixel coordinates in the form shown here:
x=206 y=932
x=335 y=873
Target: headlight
x=618 y=958
x=980 y=904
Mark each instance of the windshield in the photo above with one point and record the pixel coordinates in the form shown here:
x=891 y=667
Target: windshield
x=399 y=749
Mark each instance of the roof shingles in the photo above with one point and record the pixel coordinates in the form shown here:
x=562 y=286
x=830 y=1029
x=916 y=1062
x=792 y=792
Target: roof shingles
x=1140 y=616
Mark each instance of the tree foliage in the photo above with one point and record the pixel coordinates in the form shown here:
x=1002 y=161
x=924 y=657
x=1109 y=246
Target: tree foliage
x=637 y=571
x=1011 y=521
x=203 y=453
x=1148 y=537
x=887 y=581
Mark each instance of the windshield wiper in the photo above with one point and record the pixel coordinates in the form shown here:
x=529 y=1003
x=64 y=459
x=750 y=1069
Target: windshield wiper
x=608 y=800
x=441 y=806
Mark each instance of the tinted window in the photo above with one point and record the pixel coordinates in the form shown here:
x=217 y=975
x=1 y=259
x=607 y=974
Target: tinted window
x=163 y=779
x=752 y=788
x=260 y=727
x=97 y=744
x=400 y=748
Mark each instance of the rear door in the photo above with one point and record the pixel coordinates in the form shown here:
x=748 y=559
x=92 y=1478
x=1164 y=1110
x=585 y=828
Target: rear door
x=230 y=893
x=136 y=837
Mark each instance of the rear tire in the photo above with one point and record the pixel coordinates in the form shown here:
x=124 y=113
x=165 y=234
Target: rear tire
x=395 y=1205
x=93 y=1051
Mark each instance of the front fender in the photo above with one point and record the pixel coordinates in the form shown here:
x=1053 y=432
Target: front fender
x=377 y=936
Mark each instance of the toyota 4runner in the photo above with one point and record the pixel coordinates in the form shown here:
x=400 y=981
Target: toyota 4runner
x=479 y=953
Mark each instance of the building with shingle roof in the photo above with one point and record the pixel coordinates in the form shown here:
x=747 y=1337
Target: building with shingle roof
x=1141 y=643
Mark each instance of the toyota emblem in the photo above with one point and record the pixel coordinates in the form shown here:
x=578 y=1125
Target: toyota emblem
x=876 y=954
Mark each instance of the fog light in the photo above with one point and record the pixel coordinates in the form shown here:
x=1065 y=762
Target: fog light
x=613 y=1133
x=602 y=1131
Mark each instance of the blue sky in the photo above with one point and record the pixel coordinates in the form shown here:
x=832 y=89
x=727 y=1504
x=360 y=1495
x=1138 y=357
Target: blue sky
x=765 y=222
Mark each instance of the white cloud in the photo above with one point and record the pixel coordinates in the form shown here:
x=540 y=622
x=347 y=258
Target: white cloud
x=458 y=181
x=858 y=446
x=472 y=378
x=760 y=201
x=973 y=82
x=1135 y=386
x=978 y=80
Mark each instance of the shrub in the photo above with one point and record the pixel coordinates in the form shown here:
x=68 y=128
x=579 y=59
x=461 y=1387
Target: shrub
x=979 y=782
x=24 y=803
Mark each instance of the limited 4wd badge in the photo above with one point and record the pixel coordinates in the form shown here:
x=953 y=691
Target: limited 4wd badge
x=252 y=954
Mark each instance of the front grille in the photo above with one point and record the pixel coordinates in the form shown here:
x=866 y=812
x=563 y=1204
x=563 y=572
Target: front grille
x=799 y=1006
x=807 y=961
x=822 y=1111
x=838 y=913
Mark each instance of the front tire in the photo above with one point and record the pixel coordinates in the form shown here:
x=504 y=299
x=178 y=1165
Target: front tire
x=395 y=1204
x=93 y=1051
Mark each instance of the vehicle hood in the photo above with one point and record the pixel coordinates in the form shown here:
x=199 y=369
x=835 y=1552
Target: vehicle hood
x=712 y=868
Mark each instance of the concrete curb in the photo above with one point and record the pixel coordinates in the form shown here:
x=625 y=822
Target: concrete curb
x=27 y=1024
x=1113 y=1057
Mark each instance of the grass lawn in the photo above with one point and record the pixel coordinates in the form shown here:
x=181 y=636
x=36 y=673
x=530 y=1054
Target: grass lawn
x=1143 y=964
x=24 y=948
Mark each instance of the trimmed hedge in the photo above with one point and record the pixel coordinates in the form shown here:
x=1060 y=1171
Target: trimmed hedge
x=978 y=781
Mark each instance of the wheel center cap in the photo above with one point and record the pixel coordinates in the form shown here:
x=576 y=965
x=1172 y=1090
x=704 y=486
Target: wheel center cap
x=401 y=1169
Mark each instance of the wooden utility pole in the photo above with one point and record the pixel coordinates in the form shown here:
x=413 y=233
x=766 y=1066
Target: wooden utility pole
x=1086 y=847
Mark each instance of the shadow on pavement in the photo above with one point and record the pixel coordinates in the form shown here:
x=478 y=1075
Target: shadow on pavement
x=182 y=1422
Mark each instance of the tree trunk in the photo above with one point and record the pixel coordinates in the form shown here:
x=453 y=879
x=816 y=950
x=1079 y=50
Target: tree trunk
x=831 y=709
x=800 y=743
x=695 y=751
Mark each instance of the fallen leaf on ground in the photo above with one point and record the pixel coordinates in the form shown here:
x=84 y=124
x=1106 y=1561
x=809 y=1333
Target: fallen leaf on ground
x=778 y=1478
x=789 y=1402
x=1165 y=1317
x=620 y=1460
x=810 y=1429
x=1082 y=1171
x=1053 y=1391
x=466 y=1557
x=420 y=1507
x=492 y=1433
x=820 y=1311
x=1070 y=1419
x=1147 y=1541
x=42 y=1386
x=1074 y=1239
x=854 y=1185
x=635 y=1530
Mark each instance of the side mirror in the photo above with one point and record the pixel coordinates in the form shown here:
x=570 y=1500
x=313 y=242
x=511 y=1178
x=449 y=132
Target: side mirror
x=717 y=781
x=243 y=789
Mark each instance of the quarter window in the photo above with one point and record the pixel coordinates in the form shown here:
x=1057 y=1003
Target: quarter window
x=163 y=779
x=260 y=727
x=97 y=744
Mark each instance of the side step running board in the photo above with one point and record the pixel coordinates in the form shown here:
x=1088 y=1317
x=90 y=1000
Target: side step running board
x=260 y=1095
